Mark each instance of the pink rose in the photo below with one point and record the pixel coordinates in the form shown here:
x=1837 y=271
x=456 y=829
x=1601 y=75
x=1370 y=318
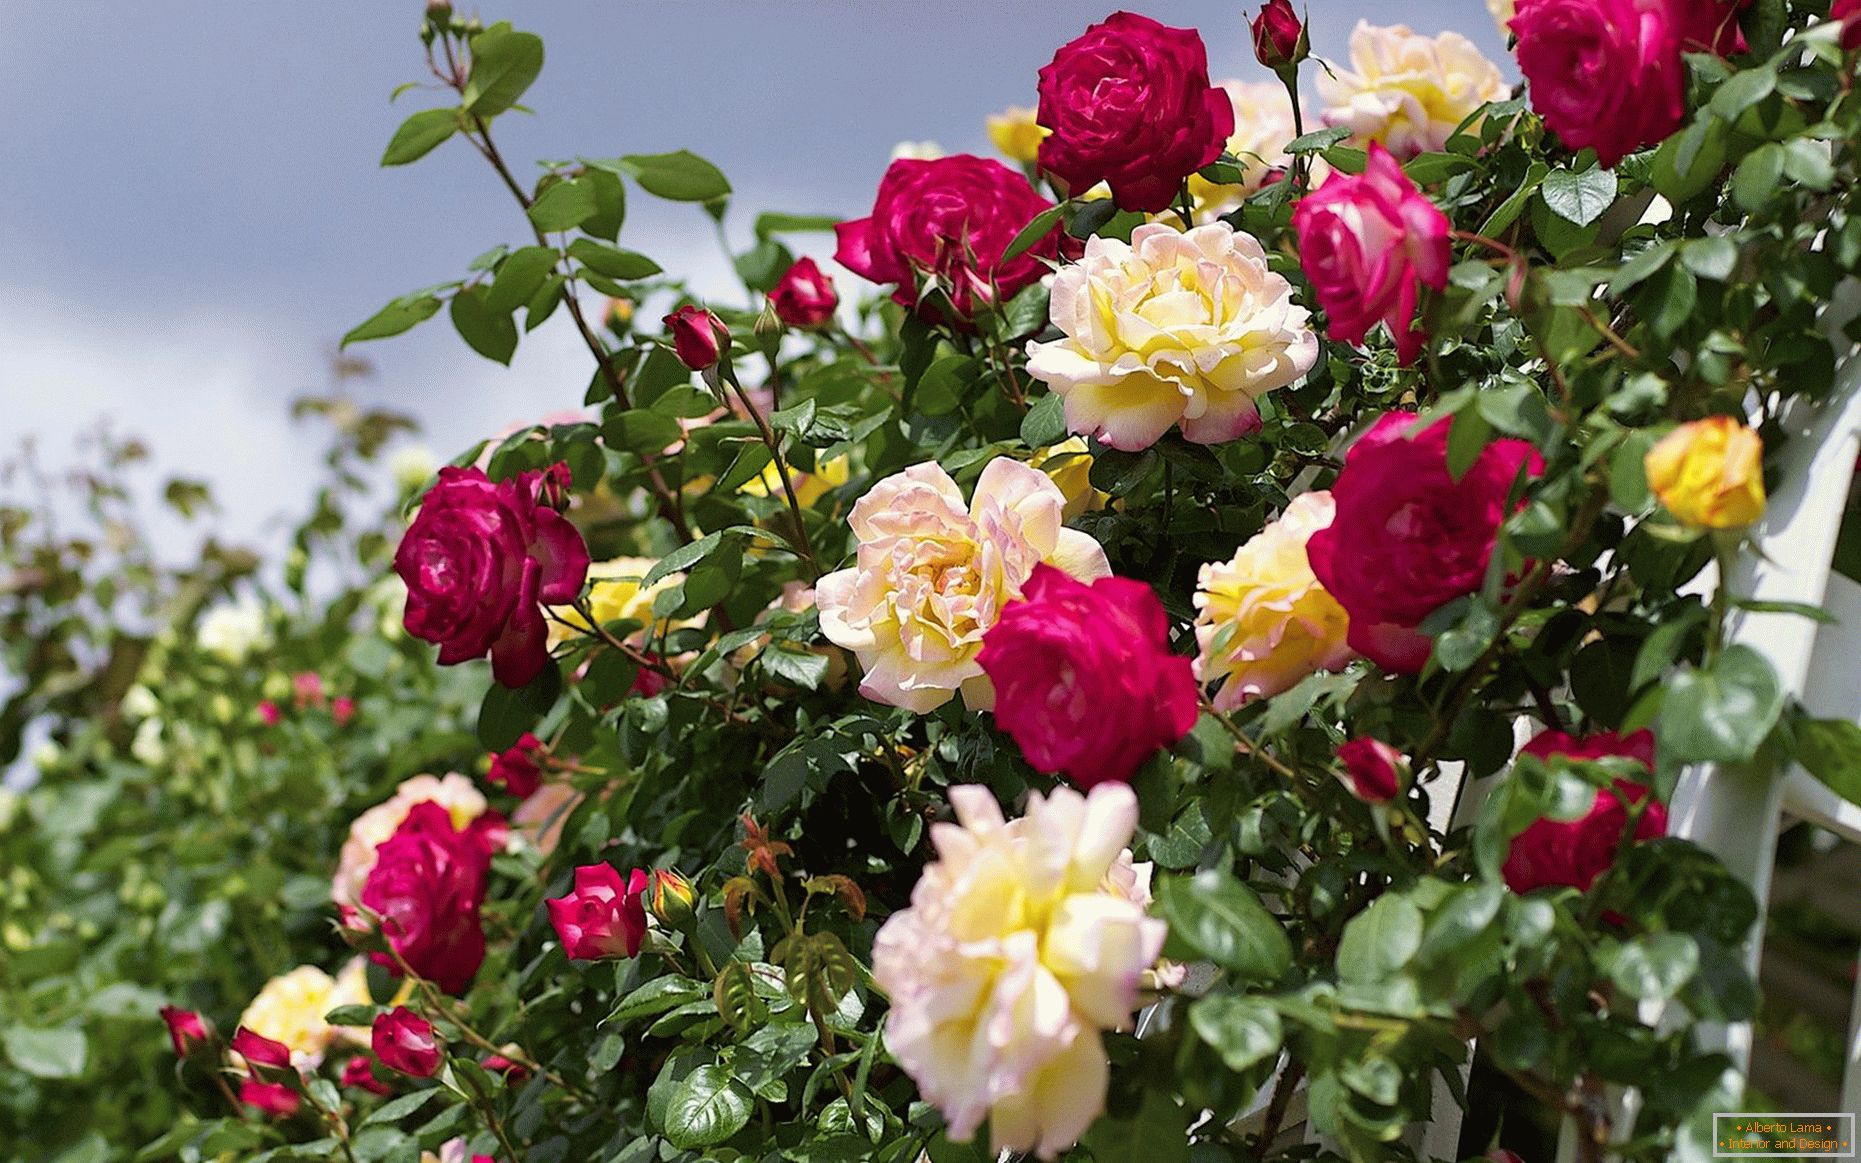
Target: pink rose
x=804 y=297
x=359 y=1072
x=478 y=560
x=274 y=1098
x=1408 y=538
x=1129 y=103
x=268 y=713
x=186 y=1029
x=342 y=710
x=1370 y=243
x=307 y=689
x=1576 y=852
x=1084 y=678
x=1373 y=769
x=517 y=769
x=406 y=1042
x=698 y=337
x=426 y=886
x=602 y=917
x=261 y=1052
x=947 y=222
x=1279 y=36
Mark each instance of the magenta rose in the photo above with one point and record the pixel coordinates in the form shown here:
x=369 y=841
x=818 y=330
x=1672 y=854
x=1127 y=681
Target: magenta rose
x=1373 y=770
x=426 y=886
x=518 y=769
x=406 y=1042
x=359 y=1072
x=259 y=1051
x=1279 y=35
x=946 y=223
x=1576 y=852
x=698 y=337
x=1408 y=538
x=1084 y=678
x=1369 y=243
x=602 y=917
x=478 y=560
x=186 y=1029
x=1129 y=103
x=1849 y=13
x=804 y=297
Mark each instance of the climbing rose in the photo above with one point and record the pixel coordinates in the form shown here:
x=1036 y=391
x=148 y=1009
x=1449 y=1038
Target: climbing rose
x=186 y=1029
x=1408 y=536
x=804 y=297
x=1576 y=852
x=406 y=1042
x=1405 y=91
x=454 y=792
x=1084 y=678
x=602 y=917
x=274 y=1098
x=1279 y=35
x=427 y=885
x=479 y=560
x=1370 y=243
x=517 y=768
x=1373 y=770
x=698 y=337
x=359 y=1072
x=259 y=1051
x=1129 y=103
x=1709 y=473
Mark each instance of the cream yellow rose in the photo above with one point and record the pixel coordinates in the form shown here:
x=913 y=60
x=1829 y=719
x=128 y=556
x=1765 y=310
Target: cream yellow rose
x=1263 y=126
x=615 y=595
x=290 y=1008
x=1407 y=91
x=1184 y=328
x=809 y=486
x=1015 y=132
x=932 y=574
x=1709 y=473
x=1264 y=621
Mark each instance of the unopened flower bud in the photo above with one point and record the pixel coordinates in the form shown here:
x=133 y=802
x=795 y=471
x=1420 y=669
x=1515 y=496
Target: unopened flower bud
x=698 y=336
x=671 y=896
x=1280 y=39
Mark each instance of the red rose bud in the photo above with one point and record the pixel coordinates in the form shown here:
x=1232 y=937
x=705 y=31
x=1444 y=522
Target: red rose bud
x=269 y=714
x=698 y=336
x=261 y=1052
x=672 y=898
x=342 y=710
x=805 y=297
x=1373 y=770
x=405 y=1041
x=186 y=1029
x=602 y=917
x=517 y=769
x=513 y=1072
x=274 y=1098
x=1280 y=40
x=359 y=1072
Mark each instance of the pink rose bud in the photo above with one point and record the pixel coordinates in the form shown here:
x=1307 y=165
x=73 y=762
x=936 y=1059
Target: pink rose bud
x=479 y=562
x=1280 y=39
x=406 y=1042
x=186 y=1029
x=274 y=1098
x=602 y=917
x=1373 y=770
x=1084 y=678
x=268 y=713
x=517 y=769
x=307 y=689
x=359 y=1072
x=261 y=1052
x=698 y=336
x=557 y=484
x=1129 y=103
x=805 y=297
x=342 y=710
x=1576 y=852
x=1370 y=242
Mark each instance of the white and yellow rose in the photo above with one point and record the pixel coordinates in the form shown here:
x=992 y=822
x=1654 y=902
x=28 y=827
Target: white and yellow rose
x=1405 y=90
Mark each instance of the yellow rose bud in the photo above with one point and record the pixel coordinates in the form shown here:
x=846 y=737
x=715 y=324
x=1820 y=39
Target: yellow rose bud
x=1015 y=132
x=671 y=896
x=1709 y=473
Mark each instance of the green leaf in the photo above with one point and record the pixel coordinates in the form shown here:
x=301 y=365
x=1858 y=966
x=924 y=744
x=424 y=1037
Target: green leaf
x=403 y=314
x=1579 y=199
x=1757 y=176
x=1213 y=915
x=1318 y=140
x=1380 y=940
x=1034 y=231
x=520 y=275
x=399 y=1108
x=656 y=997
x=1045 y=422
x=419 y=135
x=1830 y=750
x=1722 y=713
x=1158 y=1133
x=565 y=205
x=801 y=668
x=1713 y=257
x=680 y=176
x=1243 y=1030
x=772 y=222
x=707 y=1107
x=1654 y=968
x=1741 y=91
x=505 y=714
x=504 y=63
x=490 y=333
x=45 y=1053
x=610 y=195
x=612 y=261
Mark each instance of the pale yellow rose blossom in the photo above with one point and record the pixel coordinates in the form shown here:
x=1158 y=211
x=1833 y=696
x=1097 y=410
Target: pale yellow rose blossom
x=1016 y=134
x=1263 y=126
x=1024 y=940
x=454 y=792
x=932 y=574
x=1405 y=90
x=614 y=596
x=1503 y=11
x=1264 y=621
x=290 y=1008
x=1185 y=328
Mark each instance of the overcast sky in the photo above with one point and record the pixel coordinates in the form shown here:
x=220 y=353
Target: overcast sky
x=191 y=212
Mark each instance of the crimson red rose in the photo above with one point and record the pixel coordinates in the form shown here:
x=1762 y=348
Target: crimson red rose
x=406 y=1042
x=186 y=1029
x=1849 y=13
x=1279 y=36
x=1129 y=103
x=603 y=917
x=274 y=1098
x=426 y=886
x=1373 y=769
x=359 y=1072
x=946 y=222
x=1576 y=852
x=478 y=560
x=1370 y=242
x=1084 y=678
x=1408 y=538
x=259 y=1051
x=804 y=297
x=698 y=337
x=517 y=769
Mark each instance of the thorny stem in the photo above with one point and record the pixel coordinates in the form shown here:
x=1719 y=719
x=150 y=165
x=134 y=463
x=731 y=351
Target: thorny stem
x=781 y=469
